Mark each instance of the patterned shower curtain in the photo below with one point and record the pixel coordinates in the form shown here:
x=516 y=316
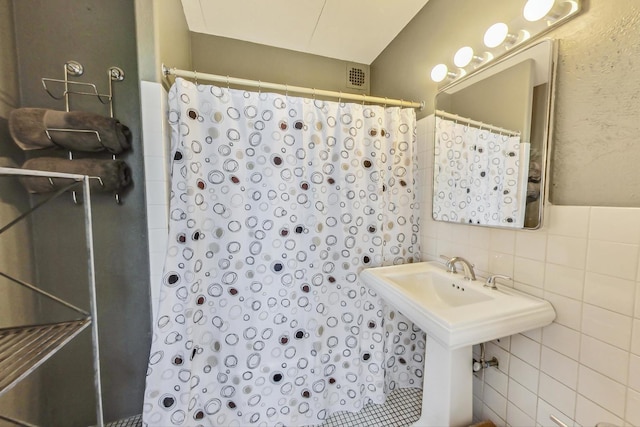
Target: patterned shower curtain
x=479 y=176
x=277 y=204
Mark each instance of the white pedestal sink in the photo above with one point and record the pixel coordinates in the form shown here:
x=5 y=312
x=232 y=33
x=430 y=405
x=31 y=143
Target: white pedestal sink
x=456 y=314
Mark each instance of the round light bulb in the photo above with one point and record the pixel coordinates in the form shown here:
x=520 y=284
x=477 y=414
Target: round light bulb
x=463 y=56
x=535 y=10
x=439 y=73
x=496 y=34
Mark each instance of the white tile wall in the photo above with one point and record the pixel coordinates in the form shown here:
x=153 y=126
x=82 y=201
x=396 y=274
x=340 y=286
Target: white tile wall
x=585 y=367
x=156 y=145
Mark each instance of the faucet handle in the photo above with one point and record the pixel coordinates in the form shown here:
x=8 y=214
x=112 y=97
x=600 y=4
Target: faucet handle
x=491 y=280
x=451 y=267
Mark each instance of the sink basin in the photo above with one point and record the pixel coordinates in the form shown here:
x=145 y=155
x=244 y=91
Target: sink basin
x=455 y=311
x=455 y=314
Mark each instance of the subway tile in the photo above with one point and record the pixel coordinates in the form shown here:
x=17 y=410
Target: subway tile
x=564 y=281
x=546 y=410
x=561 y=396
x=480 y=237
x=615 y=224
x=633 y=408
x=523 y=398
x=460 y=234
x=156 y=193
x=504 y=343
x=490 y=415
x=157 y=218
x=572 y=221
x=478 y=384
x=497 y=379
x=524 y=373
x=562 y=339
x=526 y=349
x=637 y=303
x=445 y=232
x=477 y=409
x=158 y=238
x=495 y=401
x=154 y=168
x=501 y=263
x=567 y=251
x=534 y=334
x=517 y=418
x=589 y=413
x=529 y=272
x=502 y=241
x=560 y=367
x=479 y=258
x=604 y=358
x=503 y=356
x=532 y=245
x=613 y=259
x=607 y=326
x=429 y=247
x=568 y=310
x=635 y=337
x=601 y=389
x=528 y=289
x=608 y=292
x=634 y=372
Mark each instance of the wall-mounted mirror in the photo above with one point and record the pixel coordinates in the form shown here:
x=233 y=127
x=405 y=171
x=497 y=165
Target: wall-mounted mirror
x=492 y=139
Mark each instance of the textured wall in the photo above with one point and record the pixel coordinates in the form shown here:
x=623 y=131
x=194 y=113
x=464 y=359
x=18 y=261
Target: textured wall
x=596 y=153
x=595 y=156
x=98 y=34
x=162 y=36
x=223 y=56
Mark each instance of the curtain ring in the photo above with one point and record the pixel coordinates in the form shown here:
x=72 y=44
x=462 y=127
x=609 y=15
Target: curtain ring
x=364 y=98
x=314 y=93
x=286 y=90
x=385 y=102
x=259 y=87
x=195 y=75
x=340 y=97
x=228 y=82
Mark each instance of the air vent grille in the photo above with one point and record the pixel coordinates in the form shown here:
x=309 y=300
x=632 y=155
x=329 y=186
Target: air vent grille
x=356 y=77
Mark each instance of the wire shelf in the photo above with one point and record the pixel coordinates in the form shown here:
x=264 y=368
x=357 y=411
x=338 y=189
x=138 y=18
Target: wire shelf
x=24 y=348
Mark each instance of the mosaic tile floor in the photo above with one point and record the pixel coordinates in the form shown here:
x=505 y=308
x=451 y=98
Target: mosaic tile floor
x=401 y=409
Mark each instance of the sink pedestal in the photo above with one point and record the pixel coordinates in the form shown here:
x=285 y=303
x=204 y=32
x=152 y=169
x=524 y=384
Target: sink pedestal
x=447 y=395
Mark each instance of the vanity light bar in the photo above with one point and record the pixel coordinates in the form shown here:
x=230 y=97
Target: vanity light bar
x=539 y=16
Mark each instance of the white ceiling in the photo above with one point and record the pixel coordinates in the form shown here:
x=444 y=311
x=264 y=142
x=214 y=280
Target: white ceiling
x=350 y=30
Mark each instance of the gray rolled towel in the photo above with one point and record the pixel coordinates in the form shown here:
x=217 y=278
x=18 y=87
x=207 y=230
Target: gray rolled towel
x=28 y=128
x=114 y=174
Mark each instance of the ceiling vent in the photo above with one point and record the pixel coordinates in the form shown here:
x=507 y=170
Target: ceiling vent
x=357 y=77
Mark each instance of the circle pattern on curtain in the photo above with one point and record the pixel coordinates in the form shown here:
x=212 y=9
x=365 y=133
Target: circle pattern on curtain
x=277 y=204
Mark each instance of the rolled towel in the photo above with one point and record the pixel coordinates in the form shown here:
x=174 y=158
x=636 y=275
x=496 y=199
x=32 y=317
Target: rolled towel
x=28 y=128
x=114 y=174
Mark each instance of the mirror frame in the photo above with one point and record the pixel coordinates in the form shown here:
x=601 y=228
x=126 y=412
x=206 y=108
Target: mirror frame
x=500 y=64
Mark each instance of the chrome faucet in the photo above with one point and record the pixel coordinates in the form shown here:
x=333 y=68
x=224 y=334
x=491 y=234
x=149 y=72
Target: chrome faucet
x=469 y=274
x=491 y=281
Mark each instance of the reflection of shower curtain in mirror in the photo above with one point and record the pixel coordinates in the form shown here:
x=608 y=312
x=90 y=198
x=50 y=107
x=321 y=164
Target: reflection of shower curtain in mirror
x=277 y=204
x=478 y=176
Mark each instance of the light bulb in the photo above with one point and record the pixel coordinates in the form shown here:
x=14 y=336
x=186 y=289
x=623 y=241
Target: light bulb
x=496 y=34
x=463 y=56
x=535 y=10
x=439 y=73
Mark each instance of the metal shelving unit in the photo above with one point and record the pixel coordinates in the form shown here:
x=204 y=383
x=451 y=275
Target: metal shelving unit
x=24 y=348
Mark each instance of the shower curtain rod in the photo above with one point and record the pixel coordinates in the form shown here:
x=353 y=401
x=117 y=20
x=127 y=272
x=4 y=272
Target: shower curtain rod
x=457 y=118
x=166 y=71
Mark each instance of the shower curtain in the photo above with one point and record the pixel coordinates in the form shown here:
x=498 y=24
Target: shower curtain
x=277 y=204
x=479 y=176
